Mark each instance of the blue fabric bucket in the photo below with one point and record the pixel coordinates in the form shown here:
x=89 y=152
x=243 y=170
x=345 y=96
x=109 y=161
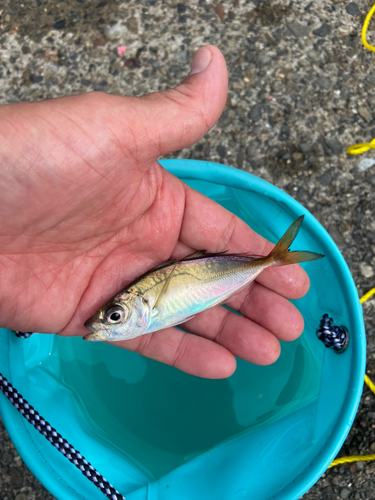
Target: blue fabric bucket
x=158 y=434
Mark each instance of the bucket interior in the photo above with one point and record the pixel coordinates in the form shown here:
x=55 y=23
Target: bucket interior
x=157 y=433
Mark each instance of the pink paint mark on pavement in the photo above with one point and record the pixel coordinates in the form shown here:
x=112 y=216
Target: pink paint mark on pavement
x=121 y=50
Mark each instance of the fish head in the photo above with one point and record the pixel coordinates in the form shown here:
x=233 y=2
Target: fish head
x=124 y=317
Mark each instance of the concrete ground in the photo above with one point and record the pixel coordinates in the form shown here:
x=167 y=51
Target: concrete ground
x=300 y=92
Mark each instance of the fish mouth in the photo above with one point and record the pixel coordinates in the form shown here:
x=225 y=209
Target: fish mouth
x=96 y=334
x=89 y=324
x=94 y=337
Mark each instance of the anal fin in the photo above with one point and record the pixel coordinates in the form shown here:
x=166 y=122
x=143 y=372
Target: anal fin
x=182 y=321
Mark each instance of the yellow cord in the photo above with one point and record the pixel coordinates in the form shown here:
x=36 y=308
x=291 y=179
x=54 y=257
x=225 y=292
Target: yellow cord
x=364 y=29
x=367 y=295
x=357 y=149
x=354 y=458
x=371 y=385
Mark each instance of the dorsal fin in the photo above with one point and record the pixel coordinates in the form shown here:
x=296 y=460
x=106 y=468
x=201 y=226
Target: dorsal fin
x=160 y=266
x=201 y=254
x=194 y=255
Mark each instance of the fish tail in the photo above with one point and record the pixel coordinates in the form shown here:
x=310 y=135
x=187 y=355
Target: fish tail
x=282 y=256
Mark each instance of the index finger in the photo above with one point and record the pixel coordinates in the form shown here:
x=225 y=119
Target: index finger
x=207 y=225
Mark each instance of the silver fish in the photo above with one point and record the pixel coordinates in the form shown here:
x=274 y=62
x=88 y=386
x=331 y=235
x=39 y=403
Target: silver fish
x=174 y=292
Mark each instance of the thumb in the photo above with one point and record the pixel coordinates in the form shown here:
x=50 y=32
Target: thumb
x=177 y=118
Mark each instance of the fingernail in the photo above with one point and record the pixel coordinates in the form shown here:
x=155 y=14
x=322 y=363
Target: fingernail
x=201 y=61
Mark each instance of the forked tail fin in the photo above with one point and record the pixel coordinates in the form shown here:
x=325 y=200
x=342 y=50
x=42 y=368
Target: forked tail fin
x=281 y=254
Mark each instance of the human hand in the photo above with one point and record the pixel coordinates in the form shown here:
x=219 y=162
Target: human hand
x=85 y=208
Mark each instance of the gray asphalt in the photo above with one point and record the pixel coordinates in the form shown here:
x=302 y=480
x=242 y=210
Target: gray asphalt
x=300 y=92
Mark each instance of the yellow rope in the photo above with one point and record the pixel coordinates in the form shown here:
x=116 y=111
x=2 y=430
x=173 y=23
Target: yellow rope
x=364 y=29
x=357 y=149
x=371 y=385
x=354 y=458
x=367 y=295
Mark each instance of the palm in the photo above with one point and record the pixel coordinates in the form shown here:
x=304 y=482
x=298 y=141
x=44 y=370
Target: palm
x=86 y=208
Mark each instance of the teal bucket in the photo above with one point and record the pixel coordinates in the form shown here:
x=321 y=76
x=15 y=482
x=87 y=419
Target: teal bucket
x=266 y=432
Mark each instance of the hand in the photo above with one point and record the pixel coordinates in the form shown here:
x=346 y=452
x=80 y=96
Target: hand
x=85 y=208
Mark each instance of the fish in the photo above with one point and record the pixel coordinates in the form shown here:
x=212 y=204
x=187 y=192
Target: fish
x=174 y=292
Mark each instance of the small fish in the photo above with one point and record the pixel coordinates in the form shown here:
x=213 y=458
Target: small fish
x=176 y=291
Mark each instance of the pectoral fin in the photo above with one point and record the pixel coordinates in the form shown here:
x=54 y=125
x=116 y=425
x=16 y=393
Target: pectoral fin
x=164 y=289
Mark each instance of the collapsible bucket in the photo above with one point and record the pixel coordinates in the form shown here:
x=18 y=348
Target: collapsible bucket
x=267 y=432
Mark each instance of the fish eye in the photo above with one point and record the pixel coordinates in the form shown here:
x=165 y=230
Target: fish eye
x=115 y=315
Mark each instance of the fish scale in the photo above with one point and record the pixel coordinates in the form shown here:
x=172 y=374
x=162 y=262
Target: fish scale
x=212 y=285
x=174 y=292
